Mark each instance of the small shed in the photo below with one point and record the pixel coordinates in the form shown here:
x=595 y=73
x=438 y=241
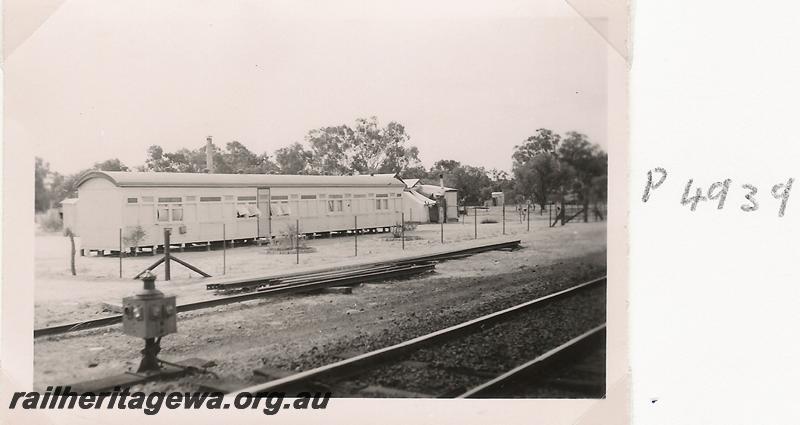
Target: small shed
x=441 y=193
x=416 y=207
x=69 y=214
x=498 y=199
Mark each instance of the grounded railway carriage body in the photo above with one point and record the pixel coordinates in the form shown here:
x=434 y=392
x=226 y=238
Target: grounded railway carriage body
x=195 y=206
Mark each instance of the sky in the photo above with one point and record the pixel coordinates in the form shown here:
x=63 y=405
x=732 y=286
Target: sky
x=469 y=80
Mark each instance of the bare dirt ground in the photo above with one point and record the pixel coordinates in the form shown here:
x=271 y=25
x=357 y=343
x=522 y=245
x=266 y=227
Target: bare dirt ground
x=305 y=331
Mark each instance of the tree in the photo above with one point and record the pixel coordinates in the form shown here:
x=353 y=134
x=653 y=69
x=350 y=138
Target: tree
x=41 y=194
x=473 y=183
x=539 y=177
x=133 y=237
x=235 y=158
x=543 y=142
x=445 y=166
x=113 y=164
x=587 y=162
x=545 y=164
x=330 y=150
x=293 y=159
x=382 y=150
x=366 y=149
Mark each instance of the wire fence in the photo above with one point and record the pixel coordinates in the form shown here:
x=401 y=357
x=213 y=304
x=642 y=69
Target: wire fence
x=471 y=223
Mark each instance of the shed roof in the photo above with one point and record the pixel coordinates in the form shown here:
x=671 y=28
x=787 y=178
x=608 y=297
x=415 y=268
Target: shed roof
x=410 y=182
x=432 y=190
x=416 y=196
x=156 y=179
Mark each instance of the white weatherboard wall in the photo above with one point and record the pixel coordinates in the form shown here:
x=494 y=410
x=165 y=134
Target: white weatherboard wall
x=415 y=207
x=197 y=214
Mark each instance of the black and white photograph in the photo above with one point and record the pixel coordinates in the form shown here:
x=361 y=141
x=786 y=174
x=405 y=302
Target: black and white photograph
x=343 y=200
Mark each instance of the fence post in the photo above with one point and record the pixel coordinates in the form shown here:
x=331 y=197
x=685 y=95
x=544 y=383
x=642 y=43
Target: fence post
x=403 y=230
x=355 y=232
x=166 y=255
x=528 y=216
x=441 y=233
x=475 y=218
x=297 y=240
x=504 y=218
x=120 y=253
x=224 y=249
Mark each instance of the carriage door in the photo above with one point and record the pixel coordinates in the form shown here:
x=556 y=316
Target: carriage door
x=264 y=219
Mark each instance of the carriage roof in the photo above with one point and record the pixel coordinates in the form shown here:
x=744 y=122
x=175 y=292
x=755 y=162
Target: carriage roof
x=160 y=179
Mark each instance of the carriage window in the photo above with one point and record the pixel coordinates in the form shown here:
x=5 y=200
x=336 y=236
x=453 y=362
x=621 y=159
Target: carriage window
x=385 y=204
x=147 y=199
x=308 y=196
x=338 y=206
x=377 y=204
x=191 y=198
x=280 y=208
x=242 y=211
x=330 y=206
x=169 y=212
x=162 y=213
x=247 y=210
x=166 y=200
x=246 y=198
x=210 y=199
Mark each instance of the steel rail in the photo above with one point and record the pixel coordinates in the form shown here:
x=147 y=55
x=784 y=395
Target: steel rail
x=435 y=256
x=440 y=256
x=539 y=364
x=358 y=364
x=272 y=282
x=275 y=290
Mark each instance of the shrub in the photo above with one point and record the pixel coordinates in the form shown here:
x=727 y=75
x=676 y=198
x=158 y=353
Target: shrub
x=50 y=221
x=488 y=221
x=289 y=239
x=133 y=237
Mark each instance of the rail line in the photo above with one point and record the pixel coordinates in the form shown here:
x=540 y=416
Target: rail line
x=248 y=281
x=356 y=365
x=538 y=366
x=298 y=282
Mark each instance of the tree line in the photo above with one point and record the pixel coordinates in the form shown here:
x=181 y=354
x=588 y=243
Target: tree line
x=543 y=166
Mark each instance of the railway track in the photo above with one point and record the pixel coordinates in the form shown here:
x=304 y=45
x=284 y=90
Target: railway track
x=359 y=375
x=299 y=282
x=575 y=369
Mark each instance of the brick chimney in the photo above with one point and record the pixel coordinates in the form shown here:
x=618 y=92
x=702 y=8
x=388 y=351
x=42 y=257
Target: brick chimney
x=209 y=155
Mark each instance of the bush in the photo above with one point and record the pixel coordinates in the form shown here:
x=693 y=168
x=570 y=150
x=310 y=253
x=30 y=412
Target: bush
x=488 y=221
x=289 y=239
x=50 y=221
x=133 y=237
x=407 y=226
